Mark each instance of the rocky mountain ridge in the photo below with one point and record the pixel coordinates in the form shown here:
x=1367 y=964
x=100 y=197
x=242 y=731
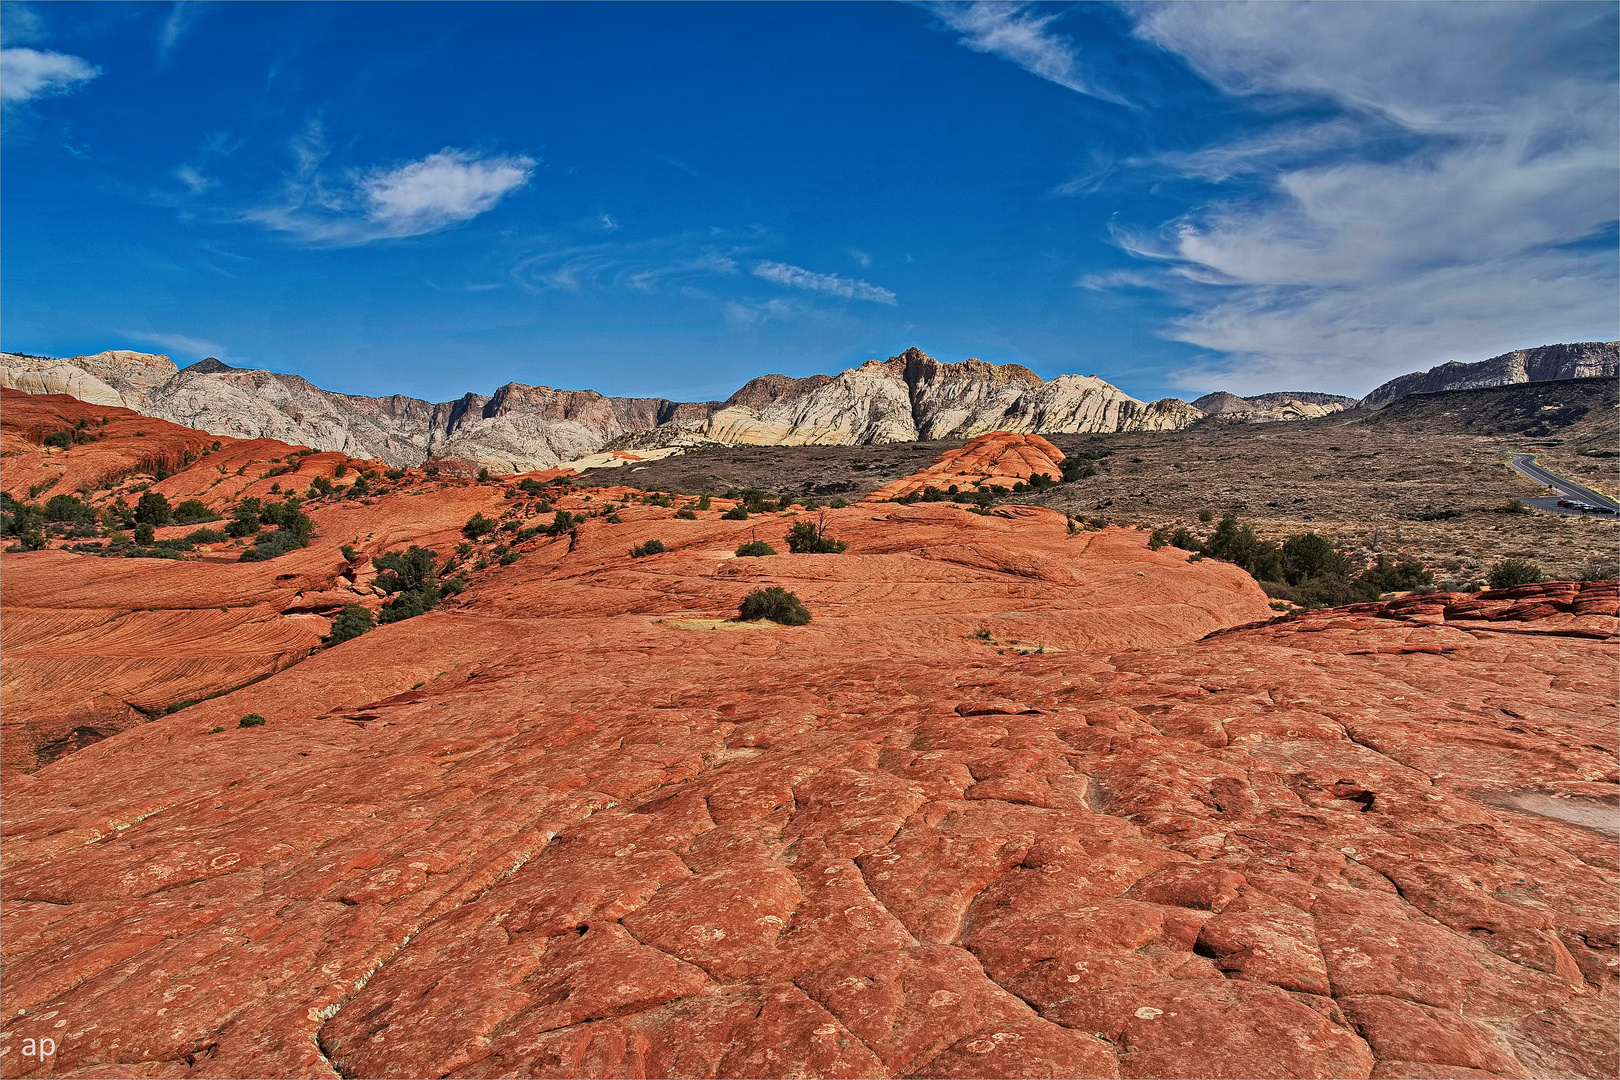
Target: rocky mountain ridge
x=1580 y=360
x=523 y=428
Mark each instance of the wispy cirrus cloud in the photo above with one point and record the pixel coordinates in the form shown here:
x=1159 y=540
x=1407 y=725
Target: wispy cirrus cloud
x=364 y=206
x=1453 y=205
x=181 y=17
x=680 y=262
x=797 y=277
x=28 y=74
x=1015 y=32
x=186 y=347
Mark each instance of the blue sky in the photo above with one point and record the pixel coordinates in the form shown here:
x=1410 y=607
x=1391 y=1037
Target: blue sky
x=671 y=199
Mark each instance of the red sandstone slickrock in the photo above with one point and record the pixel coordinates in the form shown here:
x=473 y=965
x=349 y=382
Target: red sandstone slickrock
x=560 y=827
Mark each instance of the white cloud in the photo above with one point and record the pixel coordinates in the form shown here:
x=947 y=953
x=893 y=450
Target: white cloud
x=196 y=181
x=187 y=347
x=676 y=262
x=797 y=277
x=1450 y=212
x=26 y=74
x=181 y=16
x=862 y=259
x=1013 y=32
x=381 y=204
x=20 y=24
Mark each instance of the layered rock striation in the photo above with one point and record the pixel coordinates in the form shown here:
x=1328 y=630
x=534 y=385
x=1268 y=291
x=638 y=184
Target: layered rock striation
x=999 y=460
x=1581 y=360
x=1267 y=408
x=1006 y=807
x=525 y=428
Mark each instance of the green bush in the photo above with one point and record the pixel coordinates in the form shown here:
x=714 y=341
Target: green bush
x=1158 y=539
x=193 y=512
x=348 y=553
x=205 y=536
x=477 y=526
x=736 y=513
x=1184 y=539
x=62 y=439
x=153 y=509
x=563 y=521
x=651 y=547
x=413 y=576
x=483 y=476
x=755 y=548
x=353 y=621
x=69 y=509
x=143 y=533
x=808 y=538
x=776 y=604
x=252 y=719
x=1402 y=578
x=686 y=515
x=1511 y=572
x=1206 y=515
x=1515 y=506
x=702 y=503
x=1308 y=555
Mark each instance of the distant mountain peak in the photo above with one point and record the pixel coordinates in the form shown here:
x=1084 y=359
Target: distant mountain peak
x=209 y=366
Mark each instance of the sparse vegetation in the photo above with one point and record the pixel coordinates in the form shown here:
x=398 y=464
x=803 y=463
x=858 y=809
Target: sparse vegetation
x=412 y=577
x=252 y=719
x=755 y=548
x=685 y=514
x=351 y=622
x=651 y=547
x=736 y=513
x=477 y=526
x=775 y=604
x=810 y=538
x=1511 y=572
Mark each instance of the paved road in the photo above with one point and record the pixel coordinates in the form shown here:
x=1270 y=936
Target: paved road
x=1525 y=464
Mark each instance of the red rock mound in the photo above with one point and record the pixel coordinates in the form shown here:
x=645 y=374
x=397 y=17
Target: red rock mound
x=997 y=811
x=999 y=459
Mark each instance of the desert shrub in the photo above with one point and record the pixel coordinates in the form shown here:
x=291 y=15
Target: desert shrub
x=348 y=553
x=359 y=489
x=1307 y=555
x=755 y=548
x=483 y=476
x=809 y=538
x=530 y=486
x=477 y=526
x=686 y=515
x=1388 y=577
x=1041 y=481
x=838 y=504
x=1206 y=515
x=273 y=545
x=1333 y=590
x=413 y=577
x=394 y=474
x=1235 y=543
x=252 y=719
x=143 y=533
x=655 y=499
x=1184 y=539
x=66 y=508
x=193 y=512
x=510 y=557
x=702 y=503
x=353 y=621
x=205 y=536
x=1076 y=468
x=563 y=521
x=153 y=509
x=1598 y=568
x=776 y=604
x=736 y=513
x=1158 y=539
x=62 y=439
x=318 y=486
x=340 y=472
x=651 y=547
x=1510 y=572
x=1515 y=506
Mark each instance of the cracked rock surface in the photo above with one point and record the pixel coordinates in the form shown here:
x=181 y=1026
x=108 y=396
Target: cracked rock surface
x=1369 y=842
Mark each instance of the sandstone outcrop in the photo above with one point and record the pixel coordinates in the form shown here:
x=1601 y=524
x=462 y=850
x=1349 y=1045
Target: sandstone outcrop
x=1581 y=360
x=1266 y=408
x=529 y=428
x=1015 y=803
x=1001 y=460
